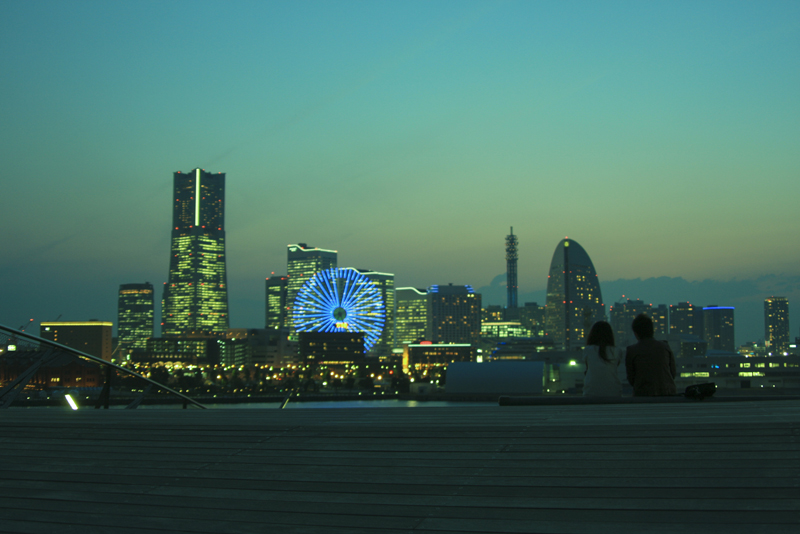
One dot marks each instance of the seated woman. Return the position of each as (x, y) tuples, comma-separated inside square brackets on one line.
[(602, 359)]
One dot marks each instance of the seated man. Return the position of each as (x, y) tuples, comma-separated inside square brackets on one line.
[(650, 364)]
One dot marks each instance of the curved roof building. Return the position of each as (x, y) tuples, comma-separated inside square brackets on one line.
[(574, 301)]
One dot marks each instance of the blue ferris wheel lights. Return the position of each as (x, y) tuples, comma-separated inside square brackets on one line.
[(340, 300)]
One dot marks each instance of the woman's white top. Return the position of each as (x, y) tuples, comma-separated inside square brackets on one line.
[(601, 378)]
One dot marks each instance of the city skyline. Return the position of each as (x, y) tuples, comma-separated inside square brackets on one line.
[(662, 137)]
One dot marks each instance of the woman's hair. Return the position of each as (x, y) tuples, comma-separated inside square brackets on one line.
[(601, 335)]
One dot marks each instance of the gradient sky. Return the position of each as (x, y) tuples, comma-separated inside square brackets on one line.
[(663, 136)]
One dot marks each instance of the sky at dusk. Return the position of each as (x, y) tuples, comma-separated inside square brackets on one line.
[(664, 137)]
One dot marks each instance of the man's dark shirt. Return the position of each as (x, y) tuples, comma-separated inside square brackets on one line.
[(650, 365)]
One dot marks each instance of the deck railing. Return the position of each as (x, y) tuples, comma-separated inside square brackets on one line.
[(25, 357)]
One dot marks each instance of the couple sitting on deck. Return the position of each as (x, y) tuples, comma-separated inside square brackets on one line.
[(650, 364)]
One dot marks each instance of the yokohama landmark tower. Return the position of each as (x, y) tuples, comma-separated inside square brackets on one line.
[(196, 296)]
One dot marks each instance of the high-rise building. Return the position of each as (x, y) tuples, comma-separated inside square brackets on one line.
[(411, 315), (511, 274), (196, 295), (385, 284), (277, 302), (660, 316), (686, 319), (574, 302), (532, 316), (776, 324), (454, 314), (622, 315), (135, 315), (302, 263), (92, 337), (718, 328)]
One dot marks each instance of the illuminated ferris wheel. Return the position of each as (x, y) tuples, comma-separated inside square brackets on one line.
[(340, 300)]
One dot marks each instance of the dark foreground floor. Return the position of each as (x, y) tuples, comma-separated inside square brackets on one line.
[(694, 467)]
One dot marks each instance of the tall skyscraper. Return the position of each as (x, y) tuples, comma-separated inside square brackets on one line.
[(776, 324), (303, 262), (511, 274), (718, 328), (454, 314), (411, 315), (196, 295), (621, 317), (135, 315), (574, 302), (686, 319), (385, 284), (277, 303)]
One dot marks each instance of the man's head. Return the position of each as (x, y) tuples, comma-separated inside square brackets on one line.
[(642, 326)]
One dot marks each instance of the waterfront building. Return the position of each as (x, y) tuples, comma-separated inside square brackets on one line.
[(277, 294), (92, 337), (135, 315), (187, 350), (574, 302), (776, 324), (740, 372), (332, 348), (504, 329), (196, 295), (686, 319), (493, 313), (454, 314), (718, 328), (427, 356), (302, 263), (385, 284), (532, 317), (686, 345), (411, 315)]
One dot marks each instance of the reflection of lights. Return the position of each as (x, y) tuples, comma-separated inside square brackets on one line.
[(71, 402)]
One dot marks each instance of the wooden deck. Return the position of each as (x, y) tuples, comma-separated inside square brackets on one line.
[(694, 467)]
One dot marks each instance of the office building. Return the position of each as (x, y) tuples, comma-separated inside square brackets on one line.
[(277, 302), (718, 328), (196, 295), (331, 348), (385, 284), (92, 337), (532, 316), (411, 315), (776, 324), (660, 316), (428, 356), (503, 329), (686, 319), (622, 315), (454, 314), (135, 315), (493, 313), (574, 302), (303, 262)]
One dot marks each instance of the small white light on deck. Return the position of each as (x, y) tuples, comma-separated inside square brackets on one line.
[(573, 362), (71, 402)]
